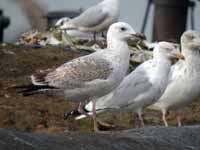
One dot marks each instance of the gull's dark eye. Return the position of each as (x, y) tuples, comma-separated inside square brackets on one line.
[(191, 37), (62, 22), (123, 29)]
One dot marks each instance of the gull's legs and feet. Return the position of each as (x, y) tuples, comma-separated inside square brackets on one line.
[(94, 37), (179, 116), (94, 116), (141, 119), (99, 122), (80, 109), (103, 35), (164, 113), (136, 120)]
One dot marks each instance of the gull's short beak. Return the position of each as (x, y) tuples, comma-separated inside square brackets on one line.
[(198, 46), (179, 56), (195, 44), (139, 36)]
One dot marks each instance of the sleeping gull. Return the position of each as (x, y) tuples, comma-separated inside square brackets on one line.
[(96, 18), (143, 86), (91, 76), (183, 85)]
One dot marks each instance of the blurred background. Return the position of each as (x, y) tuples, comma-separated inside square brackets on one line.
[(164, 18)]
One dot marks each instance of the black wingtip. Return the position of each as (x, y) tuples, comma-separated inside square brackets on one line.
[(21, 86), (31, 89), (73, 113)]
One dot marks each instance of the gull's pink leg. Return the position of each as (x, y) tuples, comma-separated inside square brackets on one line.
[(80, 109), (96, 129), (141, 119), (164, 112), (136, 120), (179, 116)]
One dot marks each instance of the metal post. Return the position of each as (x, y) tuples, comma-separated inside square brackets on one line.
[(4, 22), (170, 19)]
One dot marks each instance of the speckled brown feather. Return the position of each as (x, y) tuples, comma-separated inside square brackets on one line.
[(75, 73)]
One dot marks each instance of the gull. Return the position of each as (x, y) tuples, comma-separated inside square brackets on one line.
[(91, 76), (183, 87), (96, 18), (143, 86), (74, 32)]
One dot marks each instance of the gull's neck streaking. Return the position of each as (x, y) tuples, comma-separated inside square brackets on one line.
[(192, 59), (162, 62), (113, 43), (119, 47), (162, 68), (120, 50)]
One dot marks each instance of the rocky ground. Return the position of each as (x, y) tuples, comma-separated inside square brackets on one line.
[(150, 138), (41, 113)]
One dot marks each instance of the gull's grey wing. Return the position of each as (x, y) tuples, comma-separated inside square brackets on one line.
[(91, 17), (130, 88), (76, 73)]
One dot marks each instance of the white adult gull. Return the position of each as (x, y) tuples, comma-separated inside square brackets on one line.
[(91, 76), (184, 86), (96, 18), (143, 86)]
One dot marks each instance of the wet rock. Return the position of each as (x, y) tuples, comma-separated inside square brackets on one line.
[(151, 138)]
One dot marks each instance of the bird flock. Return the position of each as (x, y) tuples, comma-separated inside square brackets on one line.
[(100, 82)]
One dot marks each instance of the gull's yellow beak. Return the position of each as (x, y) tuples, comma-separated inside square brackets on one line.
[(198, 46), (179, 56)]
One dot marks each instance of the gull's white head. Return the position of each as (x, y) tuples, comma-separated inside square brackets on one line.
[(166, 50), (120, 31), (111, 1), (190, 40)]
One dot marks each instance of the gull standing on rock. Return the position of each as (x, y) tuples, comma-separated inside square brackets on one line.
[(91, 76), (184, 85), (96, 18), (143, 86)]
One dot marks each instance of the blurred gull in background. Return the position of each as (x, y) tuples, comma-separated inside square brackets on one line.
[(74, 33), (95, 19)]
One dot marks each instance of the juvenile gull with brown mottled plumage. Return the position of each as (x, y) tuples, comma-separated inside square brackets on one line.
[(91, 76)]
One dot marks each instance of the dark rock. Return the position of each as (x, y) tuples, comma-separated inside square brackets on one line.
[(151, 138)]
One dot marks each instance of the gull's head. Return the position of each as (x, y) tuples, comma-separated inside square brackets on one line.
[(110, 0), (167, 50), (190, 40), (120, 31), (61, 22)]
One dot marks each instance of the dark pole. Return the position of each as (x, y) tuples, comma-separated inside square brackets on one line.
[(170, 19), (4, 23), (146, 16)]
